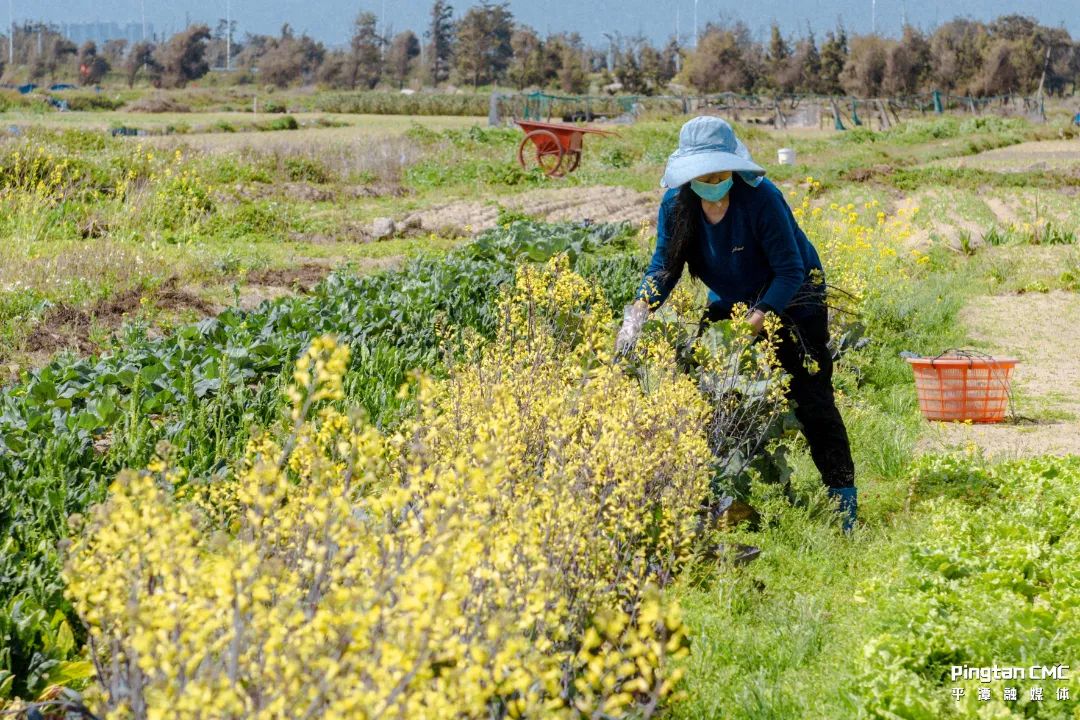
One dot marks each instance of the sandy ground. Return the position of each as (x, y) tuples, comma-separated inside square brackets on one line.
[(1043, 332), (948, 229), (1024, 157), (598, 203)]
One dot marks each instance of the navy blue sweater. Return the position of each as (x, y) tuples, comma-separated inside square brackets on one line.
[(756, 254)]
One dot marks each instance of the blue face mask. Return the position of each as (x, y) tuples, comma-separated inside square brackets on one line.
[(713, 192)]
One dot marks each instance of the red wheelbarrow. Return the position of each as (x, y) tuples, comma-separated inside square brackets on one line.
[(558, 146)]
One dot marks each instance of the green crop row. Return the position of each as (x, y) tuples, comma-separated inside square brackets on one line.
[(68, 427)]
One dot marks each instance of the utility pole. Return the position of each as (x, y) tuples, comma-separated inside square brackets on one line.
[(228, 33), (11, 33), (142, 6), (695, 24), (873, 17)]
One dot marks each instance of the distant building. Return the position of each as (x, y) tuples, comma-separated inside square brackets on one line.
[(101, 32)]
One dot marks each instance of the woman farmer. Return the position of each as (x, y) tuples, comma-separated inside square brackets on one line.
[(735, 232)]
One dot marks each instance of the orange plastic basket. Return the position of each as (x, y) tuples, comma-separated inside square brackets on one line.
[(959, 387)]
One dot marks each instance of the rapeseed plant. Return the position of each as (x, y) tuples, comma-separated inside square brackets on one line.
[(498, 556)]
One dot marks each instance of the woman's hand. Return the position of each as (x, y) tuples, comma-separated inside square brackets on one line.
[(756, 318), (633, 319)]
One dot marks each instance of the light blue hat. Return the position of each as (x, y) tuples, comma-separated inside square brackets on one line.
[(707, 144)]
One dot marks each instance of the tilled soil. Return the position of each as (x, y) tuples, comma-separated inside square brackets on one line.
[(69, 327), (598, 203)]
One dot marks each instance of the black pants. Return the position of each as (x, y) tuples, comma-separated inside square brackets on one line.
[(807, 336)]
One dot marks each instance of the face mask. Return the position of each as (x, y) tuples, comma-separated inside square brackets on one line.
[(713, 192)]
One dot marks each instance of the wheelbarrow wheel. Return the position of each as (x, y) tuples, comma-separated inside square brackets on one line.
[(572, 159), (549, 152)]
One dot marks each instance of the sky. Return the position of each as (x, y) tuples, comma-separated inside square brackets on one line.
[(330, 20)]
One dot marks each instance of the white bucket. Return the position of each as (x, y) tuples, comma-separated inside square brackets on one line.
[(785, 156)]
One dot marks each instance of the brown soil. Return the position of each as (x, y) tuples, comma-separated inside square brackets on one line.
[(156, 104), (949, 229), (1005, 214), (599, 203), (1043, 332), (67, 327), (864, 174), (302, 278), (308, 192)]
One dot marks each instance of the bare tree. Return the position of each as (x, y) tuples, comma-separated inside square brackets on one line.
[(141, 56), (864, 70), (907, 63), (92, 67), (183, 57), (999, 75), (114, 51), (288, 58)]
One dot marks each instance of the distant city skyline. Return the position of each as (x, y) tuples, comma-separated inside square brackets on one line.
[(330, 20)]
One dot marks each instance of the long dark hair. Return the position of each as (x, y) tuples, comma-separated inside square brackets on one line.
[(683, 232)]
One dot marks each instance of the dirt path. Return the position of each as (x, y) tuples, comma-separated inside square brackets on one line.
[(1028, 156), (599, 203), (1043, 332)]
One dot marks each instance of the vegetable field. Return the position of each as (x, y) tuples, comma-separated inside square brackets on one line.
[(258, 461)]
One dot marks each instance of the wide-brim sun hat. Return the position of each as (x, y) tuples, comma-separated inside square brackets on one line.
[(707, 144)]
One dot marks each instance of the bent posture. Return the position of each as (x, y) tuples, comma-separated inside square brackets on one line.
[(731, 227)]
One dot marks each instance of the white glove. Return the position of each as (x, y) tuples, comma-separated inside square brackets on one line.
[(634, 317)]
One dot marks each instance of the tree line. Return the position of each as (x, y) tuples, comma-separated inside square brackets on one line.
[(1012, 54)]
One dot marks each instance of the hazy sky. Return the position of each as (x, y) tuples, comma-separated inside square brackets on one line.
[(329, 20)]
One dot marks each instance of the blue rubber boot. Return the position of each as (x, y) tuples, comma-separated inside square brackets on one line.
[(847, 505)]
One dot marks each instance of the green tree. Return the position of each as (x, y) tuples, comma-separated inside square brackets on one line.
[(401, 56), (654, 68), (907, 63), (999, 75), (724, 60), (564, 62), (366, 46), (527, 58), (482, 51), (628, 69), (808, 61), (778, 62), (834, 53), (440, 37), (338, 69), (957, 49)]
